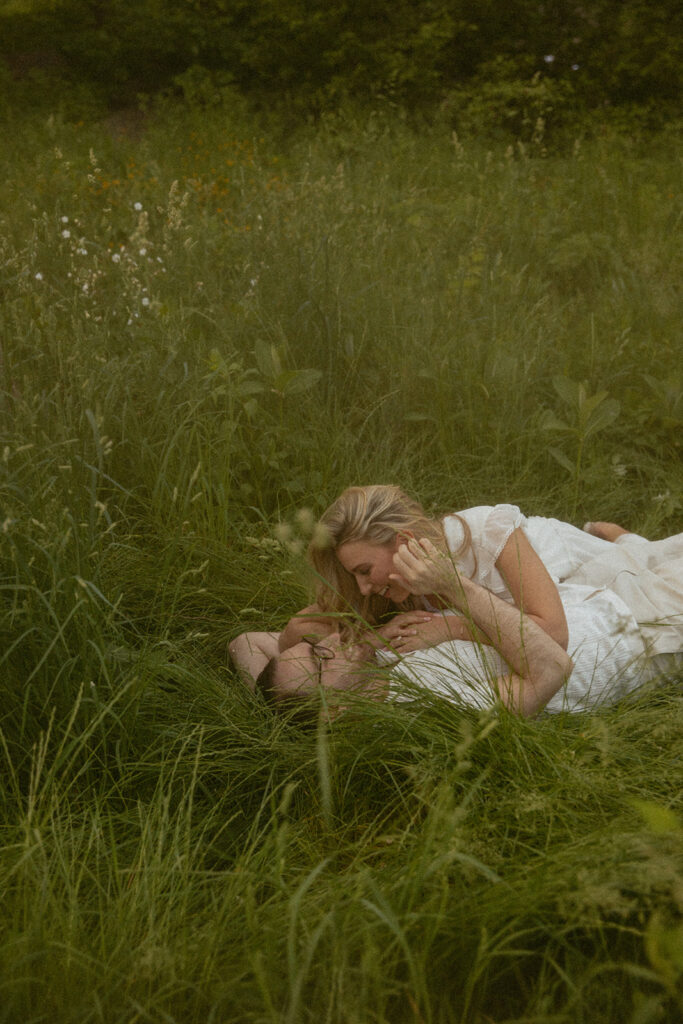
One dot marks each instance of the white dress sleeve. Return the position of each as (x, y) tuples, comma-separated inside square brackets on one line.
[(490, 527)]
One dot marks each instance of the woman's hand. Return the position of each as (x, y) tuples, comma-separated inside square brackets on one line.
[(423, 569), (406, 631), (435, 629)]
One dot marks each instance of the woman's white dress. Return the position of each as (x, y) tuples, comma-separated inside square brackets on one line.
[(611, 642)]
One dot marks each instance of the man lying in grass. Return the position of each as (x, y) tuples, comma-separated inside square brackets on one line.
[(430, 645), (523, 668)]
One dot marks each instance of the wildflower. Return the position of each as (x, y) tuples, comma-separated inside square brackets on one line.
[(305, 519), (143, 251), (115, 258), (618, 467), (65, 220), (549, 58), (145, 301), (81, 251), (137, 206), (283, 532), (66, 233), (575, 67), (39, 276), (321, 537)]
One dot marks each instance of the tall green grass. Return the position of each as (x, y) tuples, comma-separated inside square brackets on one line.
[(205, 330)]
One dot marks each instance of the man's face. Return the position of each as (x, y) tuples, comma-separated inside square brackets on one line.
[(329, 663)]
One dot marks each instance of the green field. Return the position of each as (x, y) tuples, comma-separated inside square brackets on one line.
[(209, 328)]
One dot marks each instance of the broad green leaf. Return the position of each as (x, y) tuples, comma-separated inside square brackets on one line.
[(589, 402), (267, 359), (567, 389), (302, 380), (282, 379), (549, 421), (250, 387), (562, 459), (602, 417)]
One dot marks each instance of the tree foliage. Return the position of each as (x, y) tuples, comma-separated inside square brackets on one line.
[(414, 50)]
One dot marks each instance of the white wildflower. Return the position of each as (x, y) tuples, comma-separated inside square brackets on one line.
[(66, 233), (39, 276), (283, 532), (115, 257), (137, 206), (305, 519)]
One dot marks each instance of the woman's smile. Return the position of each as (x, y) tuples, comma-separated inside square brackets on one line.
[(371, 566)]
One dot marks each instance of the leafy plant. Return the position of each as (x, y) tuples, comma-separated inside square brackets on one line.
[(586, 416)]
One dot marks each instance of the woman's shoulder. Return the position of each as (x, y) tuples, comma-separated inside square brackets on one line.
[(481, 518)]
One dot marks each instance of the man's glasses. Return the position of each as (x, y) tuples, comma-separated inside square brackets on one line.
[(321, 654)]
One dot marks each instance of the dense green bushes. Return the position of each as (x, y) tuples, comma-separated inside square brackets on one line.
[(611, 51)]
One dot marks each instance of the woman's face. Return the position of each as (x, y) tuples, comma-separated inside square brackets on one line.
[(370, 566)]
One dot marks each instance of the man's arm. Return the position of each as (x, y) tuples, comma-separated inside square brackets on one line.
[(251, 652), (310, 621)]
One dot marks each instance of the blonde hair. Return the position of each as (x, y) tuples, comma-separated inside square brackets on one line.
[(376, 515)]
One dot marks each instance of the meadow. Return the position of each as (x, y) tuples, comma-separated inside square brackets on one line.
[(210, 326)]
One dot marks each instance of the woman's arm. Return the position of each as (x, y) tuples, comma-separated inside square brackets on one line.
[(532, 587), (539, 665)]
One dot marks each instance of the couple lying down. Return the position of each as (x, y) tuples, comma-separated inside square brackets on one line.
[(482, 606)]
